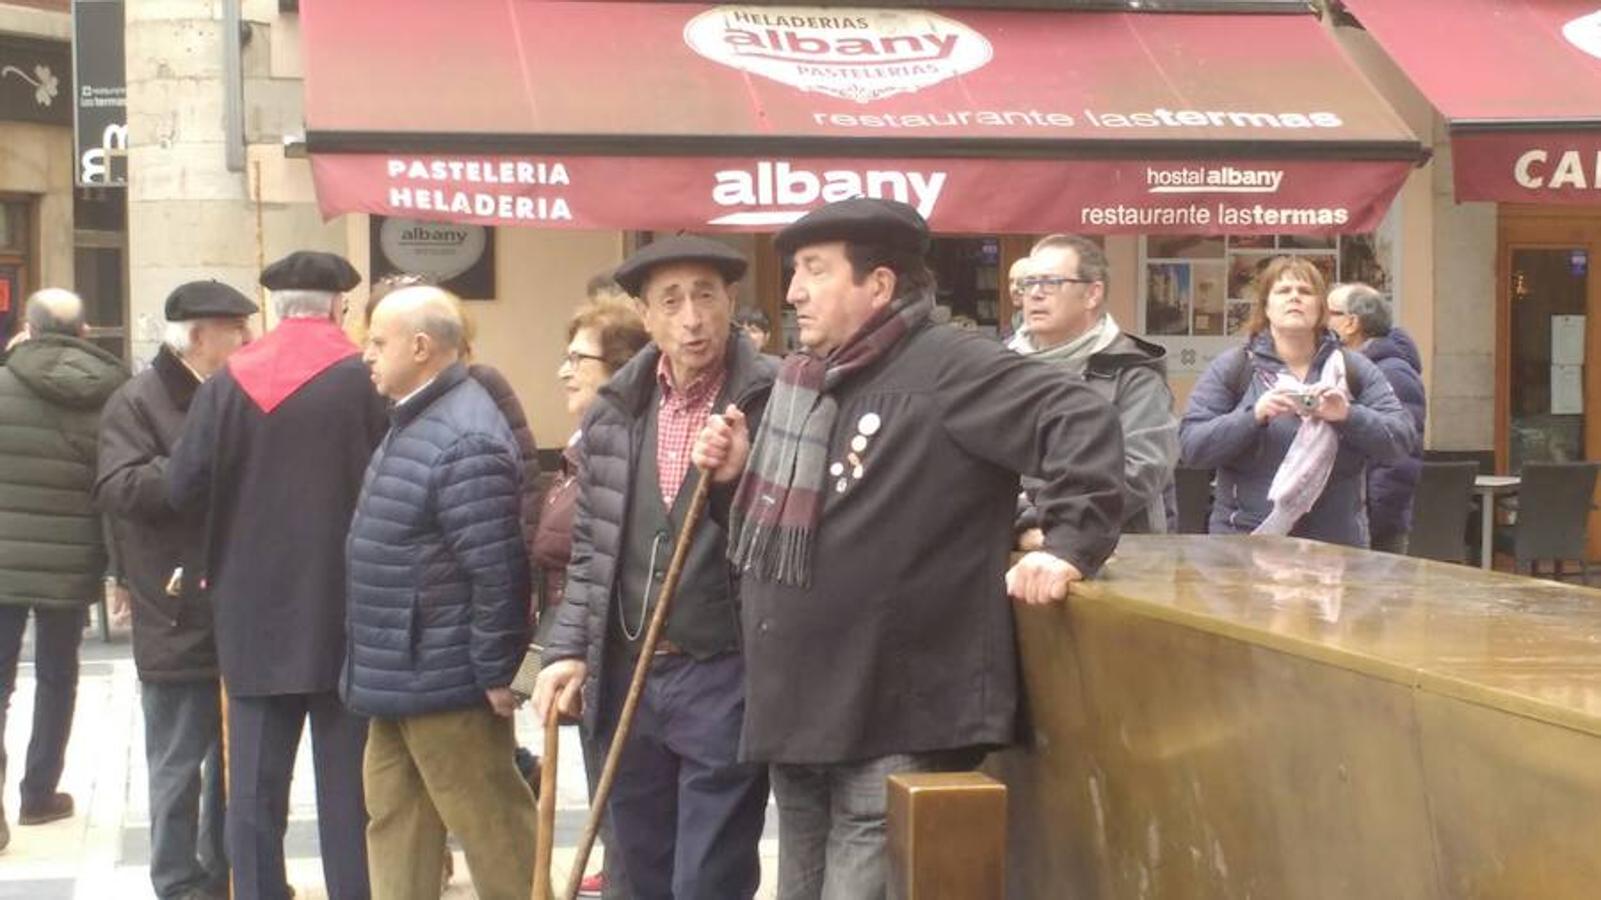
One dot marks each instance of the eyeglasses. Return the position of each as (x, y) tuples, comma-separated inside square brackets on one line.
[(573, 358), (1050, 284)]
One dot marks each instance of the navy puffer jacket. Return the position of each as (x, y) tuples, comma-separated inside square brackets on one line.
[(1391, 485), (438, 568)]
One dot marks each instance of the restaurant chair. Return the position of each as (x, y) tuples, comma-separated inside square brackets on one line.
[(1484, 458), (1554, 506), (1440, 508), (1194, 489)]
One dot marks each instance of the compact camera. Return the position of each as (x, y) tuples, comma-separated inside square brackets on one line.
[(1307, 398)]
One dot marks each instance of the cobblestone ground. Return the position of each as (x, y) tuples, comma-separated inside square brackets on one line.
[(103, 851)]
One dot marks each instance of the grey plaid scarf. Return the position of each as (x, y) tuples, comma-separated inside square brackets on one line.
[(776, 509)]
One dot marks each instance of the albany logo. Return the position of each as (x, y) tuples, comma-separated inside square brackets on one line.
[(855, 54), (1585, 33), (778, 193)]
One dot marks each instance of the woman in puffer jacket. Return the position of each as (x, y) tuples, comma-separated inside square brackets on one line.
[(1290, 421)]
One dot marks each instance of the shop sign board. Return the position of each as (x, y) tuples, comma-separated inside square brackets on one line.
[(457, 256), (35, 81), (987, 196), (1528, 166), (101, 105)]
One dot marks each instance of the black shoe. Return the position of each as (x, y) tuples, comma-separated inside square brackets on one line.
[(52, 808)]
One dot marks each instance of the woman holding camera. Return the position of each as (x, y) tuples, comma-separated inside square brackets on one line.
[(1290, 420)]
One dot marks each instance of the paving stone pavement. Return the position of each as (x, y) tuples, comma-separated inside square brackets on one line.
[(102, 852)]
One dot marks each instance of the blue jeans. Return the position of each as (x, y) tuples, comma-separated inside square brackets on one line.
[(831, 823), (183, 751)]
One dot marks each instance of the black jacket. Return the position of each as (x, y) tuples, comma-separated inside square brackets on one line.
[(278, 490), (172, 636), (437, 563), (903, 642), (52, 546), (606, 459)]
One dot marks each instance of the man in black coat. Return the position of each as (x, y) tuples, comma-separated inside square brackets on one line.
[(274, 451), (872, 524), (439, 592), (687, 814), (158, 557)]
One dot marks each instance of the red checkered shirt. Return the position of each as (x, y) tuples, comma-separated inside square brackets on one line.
[(679, 419)]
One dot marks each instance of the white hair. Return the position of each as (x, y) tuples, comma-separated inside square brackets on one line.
[(298, 304), (54, 311), (179, 336)]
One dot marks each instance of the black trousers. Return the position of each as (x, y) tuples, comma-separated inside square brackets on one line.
[(263, 734), (686, 813), (57, 635)]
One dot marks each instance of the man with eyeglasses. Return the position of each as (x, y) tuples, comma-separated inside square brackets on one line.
[(1362, 319), (1065, 323), (686, 813)]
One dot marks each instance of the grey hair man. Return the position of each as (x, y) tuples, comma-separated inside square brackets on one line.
[(1066, 323), (1364, 321), (157, 559), (273, 452), (52, 553)]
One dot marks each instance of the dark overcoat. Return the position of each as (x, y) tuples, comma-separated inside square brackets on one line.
[(172, 636), (903, 641), (278, 488)]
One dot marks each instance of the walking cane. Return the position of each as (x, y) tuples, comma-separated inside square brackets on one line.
[(545, 841), (586, 842)]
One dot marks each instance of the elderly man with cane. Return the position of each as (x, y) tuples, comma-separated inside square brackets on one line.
[(872, 526), (687, 814)]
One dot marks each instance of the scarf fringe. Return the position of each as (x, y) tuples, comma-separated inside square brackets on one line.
[(790, 565)]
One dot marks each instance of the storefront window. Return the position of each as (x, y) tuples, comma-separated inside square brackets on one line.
[(1548, 288), (968, 273), (1195, 289), (15, 240)]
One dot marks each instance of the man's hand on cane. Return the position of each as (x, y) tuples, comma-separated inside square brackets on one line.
[(723, 446), (562, 683)]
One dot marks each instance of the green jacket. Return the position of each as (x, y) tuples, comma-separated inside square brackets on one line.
[(52, 550)]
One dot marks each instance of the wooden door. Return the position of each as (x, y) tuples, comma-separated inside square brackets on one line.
[(1548, 339)]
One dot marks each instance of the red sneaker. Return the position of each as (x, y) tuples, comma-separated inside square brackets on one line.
[(593, 886)]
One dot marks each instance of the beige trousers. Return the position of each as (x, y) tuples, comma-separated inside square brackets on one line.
[(447, 772)]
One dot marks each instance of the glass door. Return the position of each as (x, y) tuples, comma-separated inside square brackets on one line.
[(1548, 391)]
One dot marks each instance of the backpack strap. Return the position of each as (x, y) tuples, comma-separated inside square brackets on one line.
[(1239, 373)]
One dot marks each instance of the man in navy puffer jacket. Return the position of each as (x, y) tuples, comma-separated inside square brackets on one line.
[(1363, 319), (438, 614)]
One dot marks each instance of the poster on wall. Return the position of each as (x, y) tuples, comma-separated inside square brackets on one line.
[(459, 258), (1195, 290)]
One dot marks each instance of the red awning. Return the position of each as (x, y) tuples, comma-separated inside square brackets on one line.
[(1519, 82), (670, 115)]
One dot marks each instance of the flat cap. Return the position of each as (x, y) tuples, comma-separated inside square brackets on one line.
[(311, 270), (680, 248), (209, 299), (859, 220)]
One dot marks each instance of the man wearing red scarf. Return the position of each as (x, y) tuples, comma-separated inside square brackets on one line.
[(273, 452)]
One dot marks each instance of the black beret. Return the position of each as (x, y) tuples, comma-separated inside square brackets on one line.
[(680, 248), (859, 220), (207, 300), (311, 270)]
